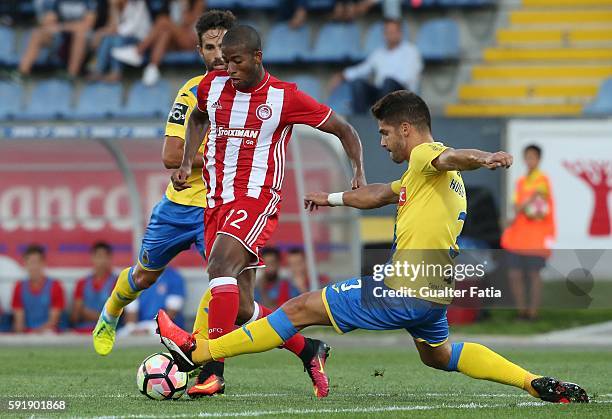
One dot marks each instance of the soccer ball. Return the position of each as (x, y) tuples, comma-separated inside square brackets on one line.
[(158, 378), (537, 208)]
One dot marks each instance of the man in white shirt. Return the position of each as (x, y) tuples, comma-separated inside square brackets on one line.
[(395, 66)]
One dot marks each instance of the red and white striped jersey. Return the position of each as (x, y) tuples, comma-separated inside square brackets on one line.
[(249, 132)]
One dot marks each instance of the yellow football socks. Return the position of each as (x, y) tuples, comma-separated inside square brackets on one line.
[(125, 292), (201, 321), (478, 361)]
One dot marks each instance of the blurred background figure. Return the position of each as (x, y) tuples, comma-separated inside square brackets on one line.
[(92, 291), (394, 66), (296, 262), (273, 284), (38, 301), (167, 293), (173, 30), (65, 26), (530, 235), (293, 12), (128, 23)]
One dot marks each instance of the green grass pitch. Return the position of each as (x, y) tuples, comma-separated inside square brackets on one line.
[(274, 385)]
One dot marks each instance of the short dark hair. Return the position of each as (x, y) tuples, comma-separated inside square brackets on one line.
[(101, 245), (34, 249), (296, 251), (271, 251), (532, 147), (403, 106), (214, 19), (243, 35)]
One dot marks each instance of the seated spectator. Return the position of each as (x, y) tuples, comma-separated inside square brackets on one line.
[(66, 23), (395, 66), (345, 10), (273, 287), (37, 301), (293, 12), (167, 293), (296, 262), (128, 23), (92, 291), (173, 30)]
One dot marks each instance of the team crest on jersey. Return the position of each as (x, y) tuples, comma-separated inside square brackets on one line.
[(263, 112), (402, 196)]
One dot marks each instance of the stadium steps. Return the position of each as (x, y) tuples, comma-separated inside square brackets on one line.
[(554, 37), (487, 92), (577, 16), (543, 72), (566, 3), (512, 110), (548, 54)]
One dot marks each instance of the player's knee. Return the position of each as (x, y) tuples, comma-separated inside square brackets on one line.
[(144, 279), (221, 265), (437, 357), (295, 308)]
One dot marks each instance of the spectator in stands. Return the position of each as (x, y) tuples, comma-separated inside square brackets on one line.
[(395, 66), (391, 9), (293, 12), (345, 10), (92, 291), (296, 262), (167, 293), (173, 30), (65, 23), (528, 238), (128, 23), (273, 286), (37, 301)]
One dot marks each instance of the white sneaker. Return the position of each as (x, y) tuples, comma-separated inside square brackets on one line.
[(151, 75), (127, 55)]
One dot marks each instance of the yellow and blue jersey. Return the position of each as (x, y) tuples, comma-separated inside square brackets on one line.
[(430, 214), (185, 102)]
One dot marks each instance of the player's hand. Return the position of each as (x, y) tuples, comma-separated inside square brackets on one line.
[(179, 178), (499, 159), (359, 180), (314, 200)]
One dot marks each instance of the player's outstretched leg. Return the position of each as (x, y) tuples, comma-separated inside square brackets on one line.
[(261, 335), (478, 361), (130, 283)]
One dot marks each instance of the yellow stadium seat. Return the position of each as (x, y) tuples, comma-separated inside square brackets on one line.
[(499, 110)]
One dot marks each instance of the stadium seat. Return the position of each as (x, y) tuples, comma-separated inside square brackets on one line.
[(375, 37), (181, 58), (49, 100), (8, 56), (602, 105), (285, 45), (340, 99), (10, 100), (222, 4), (146, 101), (337, 42), (439, 40), (259, 4), (98, 100), (310, 85), (320, 4)]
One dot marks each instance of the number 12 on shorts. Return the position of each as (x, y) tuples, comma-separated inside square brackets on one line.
[(241, 215)]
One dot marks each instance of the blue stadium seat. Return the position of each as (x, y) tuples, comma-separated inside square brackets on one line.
[(10, 100), (181, 58), (340, 99), (602, 105), (320, 4), (286, 45), (337, 42), (438, 40), (50, 99), (375, 36), (8, 56), (98, 101), (259, 4), (146, 101), (310, 85), (222, 4)]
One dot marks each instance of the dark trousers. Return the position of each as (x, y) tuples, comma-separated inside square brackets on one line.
[(365, 94)]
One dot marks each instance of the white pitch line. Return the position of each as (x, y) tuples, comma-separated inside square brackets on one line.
[(255, 413)]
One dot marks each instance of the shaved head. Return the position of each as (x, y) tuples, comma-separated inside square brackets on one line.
[(244, 36)]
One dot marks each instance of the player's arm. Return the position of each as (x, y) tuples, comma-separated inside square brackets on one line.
[(196, 128), (371, 196), (471, 159), (172, 153), (18, 320), (352, 145)]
